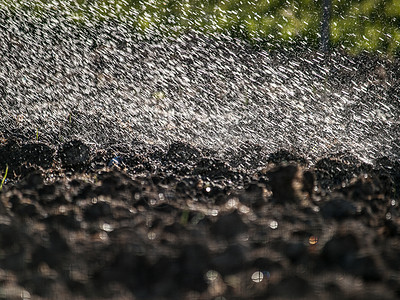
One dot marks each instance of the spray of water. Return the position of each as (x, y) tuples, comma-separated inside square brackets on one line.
[(103, 84)]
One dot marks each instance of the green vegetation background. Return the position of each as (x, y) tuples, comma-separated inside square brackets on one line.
[(356, 25)]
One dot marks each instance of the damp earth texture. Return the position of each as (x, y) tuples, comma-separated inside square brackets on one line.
[(193, 166)]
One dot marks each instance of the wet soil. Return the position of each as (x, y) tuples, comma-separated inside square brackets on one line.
[(133, 221)]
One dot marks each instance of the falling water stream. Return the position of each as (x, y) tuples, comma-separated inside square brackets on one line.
[(104, 84)]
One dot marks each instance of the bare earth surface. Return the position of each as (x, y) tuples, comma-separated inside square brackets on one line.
[(181, 224)]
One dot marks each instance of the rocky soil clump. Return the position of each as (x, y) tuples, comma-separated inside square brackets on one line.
[(138, 222)]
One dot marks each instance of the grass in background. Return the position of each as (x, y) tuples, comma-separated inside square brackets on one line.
[(356, 26), (4, 178)]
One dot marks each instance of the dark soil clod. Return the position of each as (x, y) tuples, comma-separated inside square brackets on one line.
[(74, 154)]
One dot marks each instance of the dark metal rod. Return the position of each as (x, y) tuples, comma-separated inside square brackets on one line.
[(325, 32)]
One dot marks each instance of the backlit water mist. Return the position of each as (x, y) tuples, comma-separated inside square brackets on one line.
[(104, 84)]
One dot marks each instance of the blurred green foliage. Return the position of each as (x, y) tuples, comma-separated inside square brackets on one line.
[(356, 25)]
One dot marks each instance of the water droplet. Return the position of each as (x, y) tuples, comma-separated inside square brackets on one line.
[(151, 235), (62, 209), (214, 212), (257, 276), (103, 236), (313, 240), (231, 203), (273, 224), (107, 227), (25, 295), (212, 275)]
